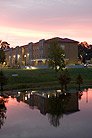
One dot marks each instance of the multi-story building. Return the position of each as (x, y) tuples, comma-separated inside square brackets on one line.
[(36, 54)]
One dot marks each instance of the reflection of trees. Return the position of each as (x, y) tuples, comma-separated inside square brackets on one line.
[(54, 120), (80, 93), (57, 108), (2, 112)]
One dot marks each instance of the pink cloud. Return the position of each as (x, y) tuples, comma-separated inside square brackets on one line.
[(45, 19)]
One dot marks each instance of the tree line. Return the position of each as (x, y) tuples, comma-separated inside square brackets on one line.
[(84, 51), (3, 45), (3, 79)]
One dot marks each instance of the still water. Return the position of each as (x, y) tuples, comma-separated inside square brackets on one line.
[(47, 114)]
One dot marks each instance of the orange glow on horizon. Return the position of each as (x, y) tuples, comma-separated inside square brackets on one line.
[(19, 36)]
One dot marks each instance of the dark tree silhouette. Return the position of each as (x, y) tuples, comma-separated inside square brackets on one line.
[(80, 93), (3, 80), (56, 109), (5, 45), (56, 55), (64, 79), (68, 78), (2, 112), (79, 80), (2, 56), (84, 51)]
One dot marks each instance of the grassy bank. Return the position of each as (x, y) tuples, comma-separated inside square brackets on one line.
[(43, 78)]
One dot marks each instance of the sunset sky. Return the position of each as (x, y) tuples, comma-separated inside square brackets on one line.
[(24, 21)]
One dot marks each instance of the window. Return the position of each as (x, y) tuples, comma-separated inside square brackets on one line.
[(48, 46), (62, 46), (42, 51)]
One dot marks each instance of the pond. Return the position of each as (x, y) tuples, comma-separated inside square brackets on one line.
[(46, 114)]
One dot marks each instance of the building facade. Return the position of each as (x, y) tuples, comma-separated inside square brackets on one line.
[(36, 54)]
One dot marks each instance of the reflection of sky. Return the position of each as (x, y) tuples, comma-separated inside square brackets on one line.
[(23, 122), (22, 21)]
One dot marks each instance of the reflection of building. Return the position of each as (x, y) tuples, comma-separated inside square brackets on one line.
[(41, 100), (54, 103), (36, 54), (70, 102)]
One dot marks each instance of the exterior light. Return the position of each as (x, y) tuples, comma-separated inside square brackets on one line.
[(27, 67), (44, 61), (25, 98), (18, 56), (28, 54), (43, 94), (31, 93), (58, 90), (28, 95), (25, 56), (48, 96), (14, 56), (33, 67), (19, 92)]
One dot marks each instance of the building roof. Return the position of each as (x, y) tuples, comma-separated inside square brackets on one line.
[(62, 40), (24, 45)]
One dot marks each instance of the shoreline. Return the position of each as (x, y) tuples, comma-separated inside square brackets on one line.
[(43, 86), (44, 79)]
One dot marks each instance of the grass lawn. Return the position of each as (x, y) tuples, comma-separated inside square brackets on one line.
[(43, 78)]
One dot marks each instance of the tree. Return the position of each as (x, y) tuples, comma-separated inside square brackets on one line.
[(2, 112), (55, 110), (68, 78), (4, 45), (79, 80), (3, 80), (56, 55), (2, 56), (64, 79), (57, 107), (84, 51)]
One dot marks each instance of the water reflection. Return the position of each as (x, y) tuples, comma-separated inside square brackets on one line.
[(53, 103), (3, 110), (48, 114), (64, 104)]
